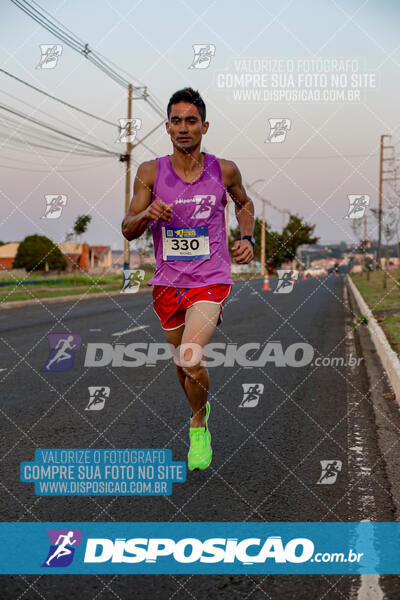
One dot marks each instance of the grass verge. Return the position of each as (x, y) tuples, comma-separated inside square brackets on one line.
[(383, 302)]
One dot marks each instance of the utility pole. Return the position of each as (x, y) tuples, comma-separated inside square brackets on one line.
[(365, 232), (262, 257), (128, 174), (382, 159), (365, 245)]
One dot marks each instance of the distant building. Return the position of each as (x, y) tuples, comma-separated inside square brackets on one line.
[(85, 257), (136, 261), (79, 256), (7, 255), (100, 257)]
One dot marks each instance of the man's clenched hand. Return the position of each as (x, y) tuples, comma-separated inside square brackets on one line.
[(242, 252), (159, 211)]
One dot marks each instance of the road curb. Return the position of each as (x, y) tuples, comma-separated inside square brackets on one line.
[(35, 301), (389, 358)]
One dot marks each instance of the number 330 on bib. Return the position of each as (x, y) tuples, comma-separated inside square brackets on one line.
[(185, 243)]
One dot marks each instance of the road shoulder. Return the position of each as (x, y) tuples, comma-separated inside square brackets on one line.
[(386, 408)]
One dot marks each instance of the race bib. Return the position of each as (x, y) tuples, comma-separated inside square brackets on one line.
[(185, 243)]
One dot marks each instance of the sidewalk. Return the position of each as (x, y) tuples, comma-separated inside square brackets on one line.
[(68, 298)]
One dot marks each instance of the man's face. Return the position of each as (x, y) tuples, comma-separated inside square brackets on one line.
[(185, 126)]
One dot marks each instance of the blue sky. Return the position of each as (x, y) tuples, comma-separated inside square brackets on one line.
[(330, 151)]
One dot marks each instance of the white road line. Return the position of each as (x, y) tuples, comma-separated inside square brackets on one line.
[(370, 588), (359, 467), (94, 329), (131, 330)]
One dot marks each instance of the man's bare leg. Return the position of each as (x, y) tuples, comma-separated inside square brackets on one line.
[(174, 337), (200, 322)]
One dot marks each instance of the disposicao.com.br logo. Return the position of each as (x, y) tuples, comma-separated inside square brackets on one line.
[(215, 354), (247, 551), (201, 547)]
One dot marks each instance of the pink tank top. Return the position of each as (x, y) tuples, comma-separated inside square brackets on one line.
[(191, 249)]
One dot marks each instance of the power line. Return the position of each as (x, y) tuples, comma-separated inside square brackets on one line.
[(35, 138), (65, 37), (31, 130), (85, 112), (57, 169), (72, 41), (82, 41), (269, 202), (51, 128), (305, 157), (64, 34), (63, 150), (158, 106), (81, 110), (32, 106)]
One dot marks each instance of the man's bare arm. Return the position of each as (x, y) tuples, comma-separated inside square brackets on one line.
[(142, 209), (244, 210)]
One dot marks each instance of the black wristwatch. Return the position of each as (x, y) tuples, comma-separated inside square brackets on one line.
[(250, 238)]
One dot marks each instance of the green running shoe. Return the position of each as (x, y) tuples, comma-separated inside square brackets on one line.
[(200, 452), (208, 408)]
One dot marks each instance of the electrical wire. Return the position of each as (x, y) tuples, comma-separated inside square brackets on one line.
[(72, 41), (60, 31), (32, 133), (157, 104), (73, 107), (81, 110), (57, 169), (51, 128), (304, 157)]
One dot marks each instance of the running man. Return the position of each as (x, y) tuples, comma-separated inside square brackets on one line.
[(54, 205), (62, 549), (285, 281), (63, 345), (182, 199), (99, 397), (331, 470)]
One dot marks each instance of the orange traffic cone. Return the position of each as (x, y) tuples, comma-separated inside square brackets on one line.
[(304, 275), (266, 287)]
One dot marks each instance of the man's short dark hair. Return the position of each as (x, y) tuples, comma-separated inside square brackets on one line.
[(188, 95)]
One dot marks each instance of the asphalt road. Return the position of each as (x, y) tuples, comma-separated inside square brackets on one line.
[(266, 461)]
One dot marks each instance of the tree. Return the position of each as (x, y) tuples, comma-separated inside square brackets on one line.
[(81, 224), (280, 247), (79, 227), (35, 251)]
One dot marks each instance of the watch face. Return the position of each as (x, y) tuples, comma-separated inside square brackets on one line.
[(250, 238)]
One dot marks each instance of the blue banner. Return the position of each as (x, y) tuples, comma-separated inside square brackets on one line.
[(98, 472), (200, 548)]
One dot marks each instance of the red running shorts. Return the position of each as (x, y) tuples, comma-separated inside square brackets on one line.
[(170, 303)]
